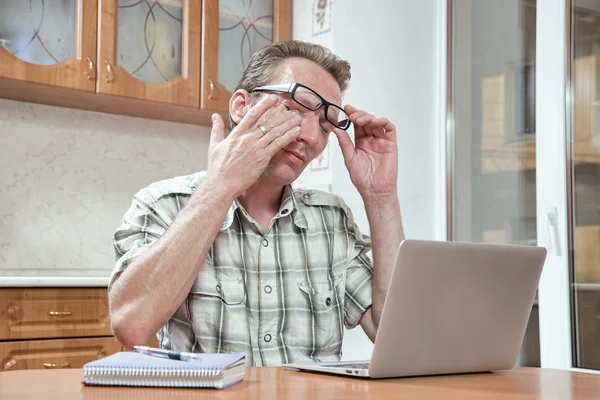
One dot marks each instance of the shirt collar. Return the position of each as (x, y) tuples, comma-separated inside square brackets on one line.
[(289, 205), (229, 216), (290, 200)]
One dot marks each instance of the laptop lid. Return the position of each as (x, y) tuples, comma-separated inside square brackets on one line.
[(456, 307)]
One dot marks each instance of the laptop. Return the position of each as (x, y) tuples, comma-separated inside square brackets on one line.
[(451, 308)]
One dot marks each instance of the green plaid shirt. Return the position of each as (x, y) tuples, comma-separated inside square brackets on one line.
[(282, 296)]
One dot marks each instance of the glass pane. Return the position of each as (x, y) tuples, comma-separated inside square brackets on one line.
[(39, 32), (585, 145), (149, 39), (245, 26), (493, 110)]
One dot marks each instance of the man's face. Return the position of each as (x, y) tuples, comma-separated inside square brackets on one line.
[(287, 165)]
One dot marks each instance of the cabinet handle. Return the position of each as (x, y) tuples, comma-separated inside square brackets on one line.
[(110, 77), (212, 90), (9, 365), (51, 365), (13, 313), (59, 313), (90, 75)]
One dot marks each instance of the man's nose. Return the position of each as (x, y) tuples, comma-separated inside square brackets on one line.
[(311, 129)]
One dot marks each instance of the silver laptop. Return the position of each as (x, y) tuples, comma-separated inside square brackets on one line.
[(451, 308)]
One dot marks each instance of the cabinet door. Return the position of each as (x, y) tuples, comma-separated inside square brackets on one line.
[(49, 42), (56, 353), (150, 50), (232, 31)]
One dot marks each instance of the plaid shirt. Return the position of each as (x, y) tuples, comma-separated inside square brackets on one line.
[(282, 296)]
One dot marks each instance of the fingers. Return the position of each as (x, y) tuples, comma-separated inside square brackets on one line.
[(275, 115), (365, 119), (251, 118), (382, 127), (360, 119), (279, 125), (366, 124), (345, 143), (281, 141), (217, 132), (283, 126)]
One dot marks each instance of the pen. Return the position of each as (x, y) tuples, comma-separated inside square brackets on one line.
[(174, 355)]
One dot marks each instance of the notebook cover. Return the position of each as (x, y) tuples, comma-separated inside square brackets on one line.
[(135, 369)]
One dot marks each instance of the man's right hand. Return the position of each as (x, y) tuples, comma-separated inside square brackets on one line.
[(240, 158), (162, 275)]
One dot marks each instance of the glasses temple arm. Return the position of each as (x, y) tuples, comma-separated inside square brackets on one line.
[(287, 88)]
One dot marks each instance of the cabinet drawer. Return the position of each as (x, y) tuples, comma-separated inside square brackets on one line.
[(55, 353), (50, 313)]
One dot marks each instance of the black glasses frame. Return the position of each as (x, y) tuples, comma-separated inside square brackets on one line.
[(293, 87)]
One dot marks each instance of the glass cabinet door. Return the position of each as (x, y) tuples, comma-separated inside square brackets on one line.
[(49, 42), (234, 30), (150, 50)]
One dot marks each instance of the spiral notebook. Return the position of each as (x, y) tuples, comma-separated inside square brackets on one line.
[(135, 369)]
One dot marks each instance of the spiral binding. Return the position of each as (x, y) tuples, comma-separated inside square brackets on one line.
[(151, 376)]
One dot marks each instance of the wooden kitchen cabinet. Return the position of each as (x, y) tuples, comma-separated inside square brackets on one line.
[(53, 313), (54, 327), (175, 60), (231, 32), (150, 50), (50, 43), (55, 353)]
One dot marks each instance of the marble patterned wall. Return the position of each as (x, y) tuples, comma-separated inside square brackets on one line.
[(306, 27), (67, 177)]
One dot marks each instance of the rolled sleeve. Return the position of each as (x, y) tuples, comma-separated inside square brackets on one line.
[(359, 276), (141, 228)]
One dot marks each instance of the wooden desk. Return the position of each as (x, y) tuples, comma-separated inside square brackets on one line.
[(276, 383)]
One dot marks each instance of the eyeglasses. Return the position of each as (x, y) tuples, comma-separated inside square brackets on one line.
[(311, 100)]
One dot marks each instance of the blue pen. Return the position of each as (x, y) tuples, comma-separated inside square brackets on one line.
[(174, 355)]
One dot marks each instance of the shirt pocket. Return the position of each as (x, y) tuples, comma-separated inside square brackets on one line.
[(229, 289), (217, 304), (323, 302)]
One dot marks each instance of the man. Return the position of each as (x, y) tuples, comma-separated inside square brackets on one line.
[(233, 259)]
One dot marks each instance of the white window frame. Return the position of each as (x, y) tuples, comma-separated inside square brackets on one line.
[(552, 159)]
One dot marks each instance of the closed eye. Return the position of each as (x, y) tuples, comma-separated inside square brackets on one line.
[(326, 127)]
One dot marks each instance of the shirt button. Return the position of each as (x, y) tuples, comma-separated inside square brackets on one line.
[(306, 196), (267, 338), (218, 288), (265, 242), (268, 289), (328, 302), (284, 211)]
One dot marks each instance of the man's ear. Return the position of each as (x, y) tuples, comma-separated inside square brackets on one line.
[(239, 104)]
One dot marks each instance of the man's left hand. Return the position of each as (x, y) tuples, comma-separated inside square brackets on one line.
[(372, 160)]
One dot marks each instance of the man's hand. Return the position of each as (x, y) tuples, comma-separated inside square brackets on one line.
[(240, 158), (372, 160)]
